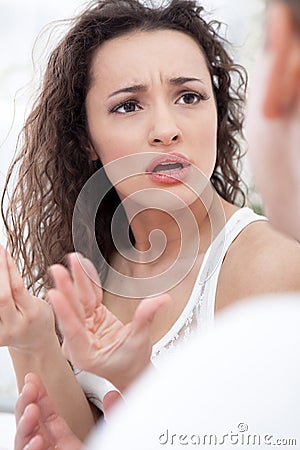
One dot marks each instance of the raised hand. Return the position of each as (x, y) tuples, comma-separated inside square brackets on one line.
[(27, 328), (25, 321), (38, 425), (94, 339)]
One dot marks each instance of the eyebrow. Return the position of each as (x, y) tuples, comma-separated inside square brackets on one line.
[(182, 80), (134, 88), (141, 87)]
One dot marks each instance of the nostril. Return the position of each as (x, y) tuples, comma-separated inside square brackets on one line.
[(166, 139)]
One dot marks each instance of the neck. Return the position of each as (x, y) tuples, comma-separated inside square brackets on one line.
[(161, 237)]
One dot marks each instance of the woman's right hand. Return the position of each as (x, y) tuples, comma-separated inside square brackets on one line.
[(26, 322)]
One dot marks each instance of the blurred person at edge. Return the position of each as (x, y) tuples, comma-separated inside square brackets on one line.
[(273, 117)]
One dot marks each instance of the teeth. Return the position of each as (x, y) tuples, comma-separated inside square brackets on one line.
[(168, 167)]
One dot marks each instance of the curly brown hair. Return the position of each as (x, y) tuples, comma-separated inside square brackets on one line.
[(53, 163)]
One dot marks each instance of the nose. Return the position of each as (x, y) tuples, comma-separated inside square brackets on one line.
[(164, 130)]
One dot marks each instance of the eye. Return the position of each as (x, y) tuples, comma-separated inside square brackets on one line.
[(126, 107), (191, 98)]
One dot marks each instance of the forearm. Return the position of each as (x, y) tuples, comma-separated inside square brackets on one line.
[(60, 382)]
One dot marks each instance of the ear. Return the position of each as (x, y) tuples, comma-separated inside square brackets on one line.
[(92, 153), (283, 44)]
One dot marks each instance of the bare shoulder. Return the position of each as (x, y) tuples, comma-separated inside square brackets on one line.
[(260, 243), (260, 260)]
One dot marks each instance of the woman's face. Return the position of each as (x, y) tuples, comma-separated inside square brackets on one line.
[(151, 96)]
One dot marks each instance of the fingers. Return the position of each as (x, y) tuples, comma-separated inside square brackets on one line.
[(70, 323), (146, 311), (109, 400), (36, 443), (88, 267), (28, 415), (43, 401), (94, 278), (26, 427), (39, 426), (7, 304), (68, 303), (20, 294), (83, 290), (65, 286), (28, 395), (86, 281)]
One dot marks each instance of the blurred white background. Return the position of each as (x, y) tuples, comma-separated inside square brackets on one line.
[(21, 22)]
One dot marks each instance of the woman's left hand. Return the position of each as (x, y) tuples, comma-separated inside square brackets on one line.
[(94, 339)]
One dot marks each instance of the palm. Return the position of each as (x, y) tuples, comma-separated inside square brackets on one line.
[(100, 335), (94, 339)]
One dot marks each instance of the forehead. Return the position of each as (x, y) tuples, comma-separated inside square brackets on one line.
[(137, 56)]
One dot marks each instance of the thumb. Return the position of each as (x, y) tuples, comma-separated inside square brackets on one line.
[(146, 311), (109, 400)]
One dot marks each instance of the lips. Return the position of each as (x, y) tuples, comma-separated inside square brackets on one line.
[(169, 168)]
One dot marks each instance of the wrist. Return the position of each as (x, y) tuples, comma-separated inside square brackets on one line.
[(40, 361), (123, 383), (37, 351)]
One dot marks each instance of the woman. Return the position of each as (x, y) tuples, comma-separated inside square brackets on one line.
[(148, 93)]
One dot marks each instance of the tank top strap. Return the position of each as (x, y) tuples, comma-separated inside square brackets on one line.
[(198, 314), (212, 263)]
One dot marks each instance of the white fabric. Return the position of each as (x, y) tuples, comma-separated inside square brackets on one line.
[(236, 387), (95, 387), (7, 431), (198, 314)]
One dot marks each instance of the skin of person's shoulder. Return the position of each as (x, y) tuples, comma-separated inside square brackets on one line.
[(261, 260)]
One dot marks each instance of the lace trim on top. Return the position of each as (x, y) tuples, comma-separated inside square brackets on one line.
[(198, 314)]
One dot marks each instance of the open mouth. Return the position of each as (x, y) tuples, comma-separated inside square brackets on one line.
[(169, 168)]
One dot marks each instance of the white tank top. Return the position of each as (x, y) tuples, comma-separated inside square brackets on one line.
[(198, 314)]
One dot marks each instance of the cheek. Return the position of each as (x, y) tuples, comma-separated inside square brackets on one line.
[(116, 150), (206, 136), (107, 147), (113, 143), (103, 137)]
